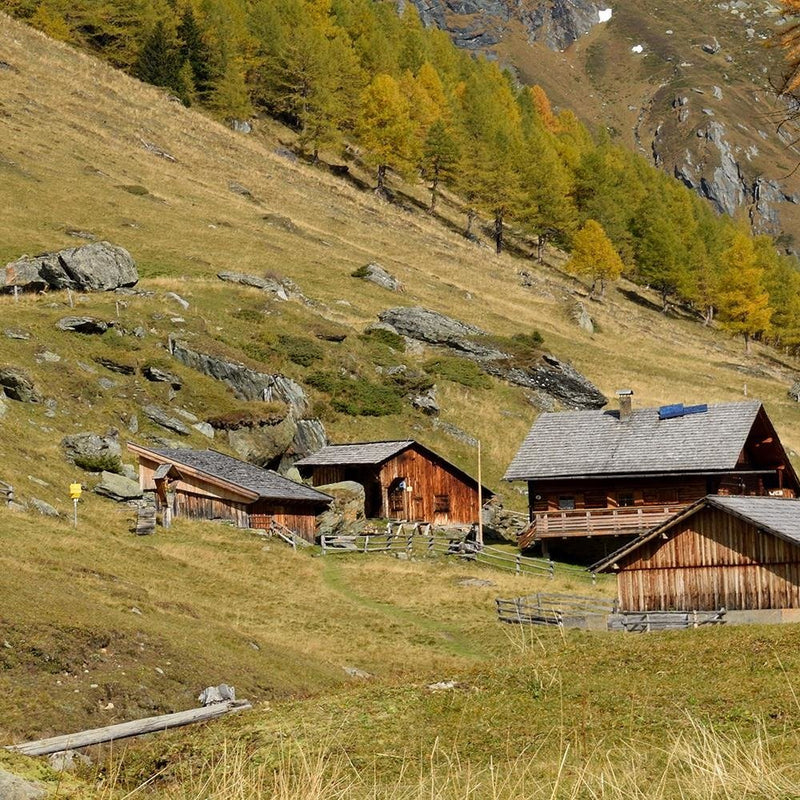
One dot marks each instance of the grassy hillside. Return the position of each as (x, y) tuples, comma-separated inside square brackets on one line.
[(98, 625)]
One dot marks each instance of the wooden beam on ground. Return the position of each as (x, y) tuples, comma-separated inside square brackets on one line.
[(124, 730)]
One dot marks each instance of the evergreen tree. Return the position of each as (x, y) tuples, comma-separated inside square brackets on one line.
[(594, 256), (743, 302), (158, 62), (193, 50)]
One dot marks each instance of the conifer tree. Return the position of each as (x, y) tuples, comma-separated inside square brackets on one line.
[(193, 50), (385, 129), (158, 59), (594, 256), (440, 158), (743, 302)]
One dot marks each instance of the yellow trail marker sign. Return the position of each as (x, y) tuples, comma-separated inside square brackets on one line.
[(75, 491)]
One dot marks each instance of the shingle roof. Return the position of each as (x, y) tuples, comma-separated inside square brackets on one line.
[(265, 482), (776, 515), (357, 453), (594, 443)]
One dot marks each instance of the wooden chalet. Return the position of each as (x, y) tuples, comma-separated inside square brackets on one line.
[(401, 480), (596, 476), (206, 484), (725, 552)]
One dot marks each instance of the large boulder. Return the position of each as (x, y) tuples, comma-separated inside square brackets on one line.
[(375, 273), (246, 383), (82, 325), (12, 787), (93, 452), (18, 385), (280, 289), (118, 487), (99, 266), (346, 512), (162, 418), (263, 444), (431, 327)]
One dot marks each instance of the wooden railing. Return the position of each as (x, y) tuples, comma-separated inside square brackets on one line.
[(551, 609), (595, 522)]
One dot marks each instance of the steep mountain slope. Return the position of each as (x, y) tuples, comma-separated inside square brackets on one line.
[(687, 84)]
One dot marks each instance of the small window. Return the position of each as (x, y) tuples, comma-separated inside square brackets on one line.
[(441, 503), (566, 503), (624, 500)]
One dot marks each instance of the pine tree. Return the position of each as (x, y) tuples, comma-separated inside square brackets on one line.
[(230, 96), (594, 256), (158, 59), (193, 49), (743, 302), (385, 129), (51, 22)]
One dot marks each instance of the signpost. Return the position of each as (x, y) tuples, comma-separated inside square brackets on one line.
[(75, 490)]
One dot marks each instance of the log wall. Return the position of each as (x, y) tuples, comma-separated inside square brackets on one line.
[(297, 517), (712, 560)]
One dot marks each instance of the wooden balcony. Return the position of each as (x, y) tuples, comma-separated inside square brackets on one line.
[(627, 520)]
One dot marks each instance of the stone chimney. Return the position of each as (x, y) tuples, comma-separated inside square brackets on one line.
[(625, 401)]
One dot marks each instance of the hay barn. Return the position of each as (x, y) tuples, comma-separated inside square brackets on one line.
[(401, 479), (206, 484)]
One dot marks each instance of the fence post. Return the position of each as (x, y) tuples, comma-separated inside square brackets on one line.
[(594, 579), (430, 543), (410, 542), (551, 566), (518, 563), (323, 543), (366, 543)]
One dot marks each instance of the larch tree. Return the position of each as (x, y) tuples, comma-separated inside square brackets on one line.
[(744, 307), (384, 128), (594, 256), (440, 158)]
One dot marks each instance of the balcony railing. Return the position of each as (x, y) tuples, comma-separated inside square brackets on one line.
[(595, 522)]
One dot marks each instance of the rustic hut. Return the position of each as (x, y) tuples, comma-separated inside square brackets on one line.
[(597, 479), (720, 552), (206, 484), (401, 480)]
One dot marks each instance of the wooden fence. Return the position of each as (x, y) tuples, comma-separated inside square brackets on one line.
[(422, 539), (646, 621), (551, 609)]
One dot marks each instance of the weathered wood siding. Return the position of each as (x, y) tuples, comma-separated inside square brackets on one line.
[(712, 560), (297, 517), (198, 506), (434, 486)]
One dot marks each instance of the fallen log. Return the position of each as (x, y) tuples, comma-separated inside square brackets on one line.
[(124, 730)]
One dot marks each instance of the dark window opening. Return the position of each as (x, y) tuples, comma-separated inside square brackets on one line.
[(624, 500), (566, 503), (441, 503)]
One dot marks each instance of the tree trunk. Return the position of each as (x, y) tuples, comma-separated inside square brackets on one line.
[(381, 187), (746, 343), (470, 220), (498, 232), (708, 317), (434, 191), (602, 289)]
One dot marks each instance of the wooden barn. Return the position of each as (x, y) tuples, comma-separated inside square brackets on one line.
[(206, 484), (401, 480), (597, 479), (721, 552)]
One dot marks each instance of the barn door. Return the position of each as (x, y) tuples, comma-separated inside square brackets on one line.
[(397, 499)]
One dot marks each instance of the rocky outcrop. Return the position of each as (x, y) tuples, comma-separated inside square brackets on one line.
[(246, 383), (117, 487), (426, 402), (480, 24), (431, 327), (555, 378), (346, 512), (93, 451), (279, 288), (13, 787), (375, 273), (88, 325), (162, 418), (18, 385), (158, 375), (263, 444), (99, 266)]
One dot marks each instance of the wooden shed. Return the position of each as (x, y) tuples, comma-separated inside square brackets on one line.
[(206, 484), (401, 480), (597, 479), (728, 552)]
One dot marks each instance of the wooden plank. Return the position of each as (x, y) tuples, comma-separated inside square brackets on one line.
[(124, 730)]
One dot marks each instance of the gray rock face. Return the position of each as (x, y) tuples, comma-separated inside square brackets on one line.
[(263, 444), (794, 391), (434, 328), (46, 510), (92, 446), (98, 266), (118, 487), (88, 325), (427, 403), (162, 418), (579, 314), (376, 274), (158, 375), (478, 24), (247, 384), (18, 385), (13, 787), (557, 379), (268, 285), (346, 512)]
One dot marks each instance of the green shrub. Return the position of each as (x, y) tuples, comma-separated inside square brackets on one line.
[(410, 381), (357, 397), (458, 370), (384, 337), (251, 415), (361, 272), (248, 315), (301, 350), (105, 462)]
